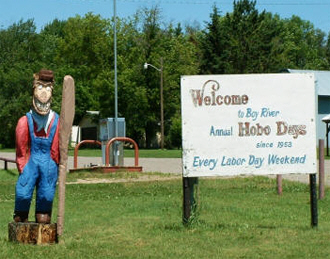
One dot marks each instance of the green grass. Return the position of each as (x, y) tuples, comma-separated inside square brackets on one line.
[(12, 150), (149, 153), (236, 218)]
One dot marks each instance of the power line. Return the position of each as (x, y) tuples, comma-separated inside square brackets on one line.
[(199, 2), (208, 2), (287, 4)]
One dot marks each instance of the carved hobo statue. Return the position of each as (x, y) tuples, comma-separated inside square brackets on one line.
[(37, 152)]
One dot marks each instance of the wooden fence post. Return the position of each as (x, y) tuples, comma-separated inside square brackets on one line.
[(321, 169)]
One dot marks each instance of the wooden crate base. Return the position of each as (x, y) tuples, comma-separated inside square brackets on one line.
[(32, 233)]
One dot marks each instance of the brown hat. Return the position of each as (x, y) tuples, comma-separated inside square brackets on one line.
[(45, 75)]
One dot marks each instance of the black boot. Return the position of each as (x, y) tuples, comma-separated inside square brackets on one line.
[(21, 216)]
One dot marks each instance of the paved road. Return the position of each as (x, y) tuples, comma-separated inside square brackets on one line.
[(163, 165)]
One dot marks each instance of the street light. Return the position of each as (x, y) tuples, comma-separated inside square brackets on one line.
[(161, 100)]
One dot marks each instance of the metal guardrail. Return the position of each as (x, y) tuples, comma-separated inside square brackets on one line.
[(122, 139), (107, 168), (75, 159)]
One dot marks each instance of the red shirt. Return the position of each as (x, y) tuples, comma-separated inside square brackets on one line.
[(23, 142)]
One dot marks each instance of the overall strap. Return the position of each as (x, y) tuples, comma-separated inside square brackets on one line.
[(54, 126), (30, 124)]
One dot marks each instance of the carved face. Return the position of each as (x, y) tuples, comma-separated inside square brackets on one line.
[(42, 96)]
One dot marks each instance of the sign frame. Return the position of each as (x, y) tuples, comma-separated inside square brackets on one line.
[(231, 121)]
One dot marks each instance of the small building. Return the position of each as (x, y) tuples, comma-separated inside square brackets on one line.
[(322, 85), (88, 128)]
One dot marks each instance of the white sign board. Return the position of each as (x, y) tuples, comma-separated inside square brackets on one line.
[(248, 124)]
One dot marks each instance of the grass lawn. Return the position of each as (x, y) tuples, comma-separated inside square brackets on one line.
[(152, 153), (237, 218)]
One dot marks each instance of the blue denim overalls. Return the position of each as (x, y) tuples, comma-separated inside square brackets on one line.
[(41, 172)]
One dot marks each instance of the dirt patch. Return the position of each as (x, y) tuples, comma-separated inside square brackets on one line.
[(143, 178)]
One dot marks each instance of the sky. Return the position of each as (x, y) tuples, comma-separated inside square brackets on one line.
[(190, 12)]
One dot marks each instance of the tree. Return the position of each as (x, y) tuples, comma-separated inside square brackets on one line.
[(51, 36), (147, 49), (141, 40), (327, 50), (239, 42), (84, 52), (303, 46), (19, 59), (245, 38), (180, 59), (213, 46), (244, 41)]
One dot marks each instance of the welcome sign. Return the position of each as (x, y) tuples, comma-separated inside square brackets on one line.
[(248, 124)]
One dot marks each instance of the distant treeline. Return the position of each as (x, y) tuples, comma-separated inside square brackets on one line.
[(244, 41)]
